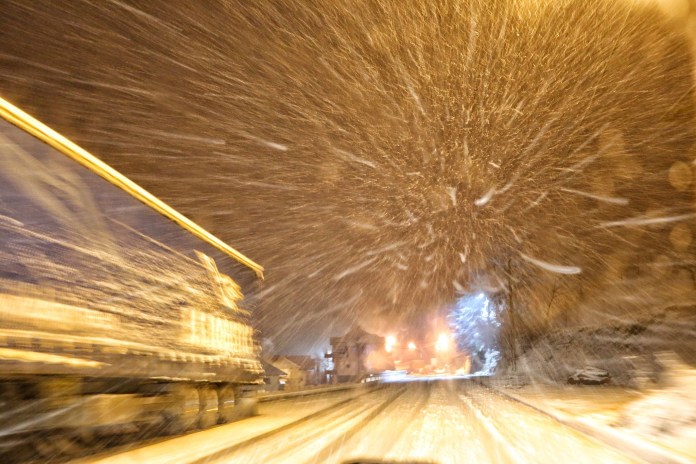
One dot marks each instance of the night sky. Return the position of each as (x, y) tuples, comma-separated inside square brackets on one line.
[(381, 159)]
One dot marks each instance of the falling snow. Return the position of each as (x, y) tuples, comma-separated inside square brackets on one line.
[(380, 159)]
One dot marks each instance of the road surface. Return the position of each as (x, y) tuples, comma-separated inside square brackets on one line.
[(415, 422)]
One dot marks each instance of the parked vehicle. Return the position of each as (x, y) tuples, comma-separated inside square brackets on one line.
[(116, 311)]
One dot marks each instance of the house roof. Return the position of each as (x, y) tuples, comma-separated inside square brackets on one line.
[(301, 361), (358, 334), (271, 370)]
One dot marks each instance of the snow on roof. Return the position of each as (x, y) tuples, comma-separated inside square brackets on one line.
[(301, 361), (271, 370)]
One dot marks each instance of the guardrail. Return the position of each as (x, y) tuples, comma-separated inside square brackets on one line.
[(280, 395)]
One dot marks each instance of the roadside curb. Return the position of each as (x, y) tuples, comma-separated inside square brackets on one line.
[(632, 446)]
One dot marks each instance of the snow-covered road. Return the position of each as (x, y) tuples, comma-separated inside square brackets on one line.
[(444, 421)]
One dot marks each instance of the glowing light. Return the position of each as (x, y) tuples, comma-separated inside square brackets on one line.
[(475, 323), (389, 343), (411, 346), (442, 343)]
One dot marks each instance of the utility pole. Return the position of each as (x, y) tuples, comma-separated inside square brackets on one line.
[(511, 311)]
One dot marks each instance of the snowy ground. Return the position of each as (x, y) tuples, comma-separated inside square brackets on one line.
[(417, 422), (663, 414)]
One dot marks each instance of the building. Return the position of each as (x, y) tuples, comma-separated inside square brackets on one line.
[(301, 371), (273, 378), (356, 354)]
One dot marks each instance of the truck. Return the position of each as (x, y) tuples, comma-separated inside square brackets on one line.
[(118, 314)]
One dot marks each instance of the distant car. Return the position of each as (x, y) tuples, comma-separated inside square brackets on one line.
[(379, 461), (371, 378), (589, 376), (386, 376)]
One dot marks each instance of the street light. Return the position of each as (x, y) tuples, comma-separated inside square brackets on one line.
[(442, 343), (389, 343), (411, 346)]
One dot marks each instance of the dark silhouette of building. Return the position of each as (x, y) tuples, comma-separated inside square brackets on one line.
[(356, 354)]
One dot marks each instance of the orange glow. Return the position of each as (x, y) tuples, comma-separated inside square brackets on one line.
[(389, 343), (442, 343)]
